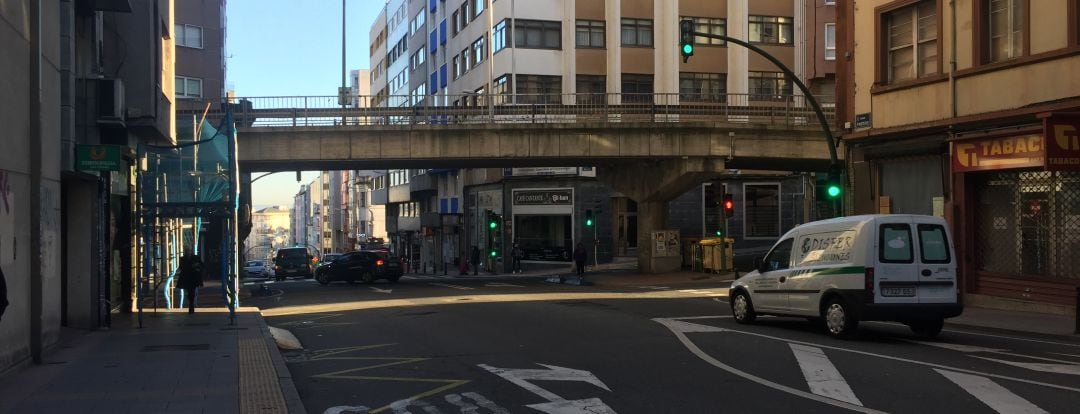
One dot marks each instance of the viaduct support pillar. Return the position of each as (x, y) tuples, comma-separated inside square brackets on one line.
[(652, 184)]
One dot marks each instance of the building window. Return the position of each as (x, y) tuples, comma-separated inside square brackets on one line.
[(911, 38), (188, 87), (637, 32), (830, 2), (417, 22), (590, 33), (478, 8), (419, 58), (466, 13), (457, 67), (1003, 35), (830, 41), (591, 89), (479, 48), (539, 89), (189, 36), (499, 36), (500, 86), (761, 210), (771, 29), (637, 88), (702, 87), (711, 26), (456, 19), (537, 34), (769, 85)]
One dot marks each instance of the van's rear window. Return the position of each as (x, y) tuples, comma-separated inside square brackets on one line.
[(894, 245), (292, 253), (933, 244)]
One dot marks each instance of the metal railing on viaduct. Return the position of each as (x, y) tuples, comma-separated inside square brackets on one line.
[(473, 108)]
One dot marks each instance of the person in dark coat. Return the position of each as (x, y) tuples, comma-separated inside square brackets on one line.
[(580, 256), (474, 259), (3, 294), (518, 254), (190, 273)]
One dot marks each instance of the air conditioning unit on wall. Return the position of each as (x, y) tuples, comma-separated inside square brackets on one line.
[(110, 102)]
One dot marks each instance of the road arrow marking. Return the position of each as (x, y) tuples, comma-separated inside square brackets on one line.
[(555, 404), (381, 290), (990, 393), (821, 375), (587, 406), (451, 286)]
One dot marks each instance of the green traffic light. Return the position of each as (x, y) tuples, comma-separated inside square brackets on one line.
[(493, 224), (834, 190), (492, 253), (687, 49), (588, 222), (718, 233)]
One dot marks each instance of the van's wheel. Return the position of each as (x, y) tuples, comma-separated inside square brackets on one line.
[(839, 321), (323, 278), (927, 328), (742, 309)]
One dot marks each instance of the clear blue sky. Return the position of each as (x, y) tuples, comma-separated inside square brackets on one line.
[(293, 48)]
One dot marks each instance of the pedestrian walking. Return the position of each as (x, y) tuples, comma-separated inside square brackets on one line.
[(518, 254), (191, 273), (580, 256), (3, 294), (474, 259)]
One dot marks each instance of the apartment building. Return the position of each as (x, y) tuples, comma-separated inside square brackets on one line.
[(583, 52), (199, 32), (962, 110)]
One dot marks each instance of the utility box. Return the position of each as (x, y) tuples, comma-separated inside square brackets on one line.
[(717, 254)]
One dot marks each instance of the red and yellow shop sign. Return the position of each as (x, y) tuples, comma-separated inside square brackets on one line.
[(1063, 146), (1022, 151)]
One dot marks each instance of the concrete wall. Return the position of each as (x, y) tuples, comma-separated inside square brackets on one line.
[(15, 179)]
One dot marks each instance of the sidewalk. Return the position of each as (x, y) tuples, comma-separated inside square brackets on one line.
[(1015, 321), (177, 363)]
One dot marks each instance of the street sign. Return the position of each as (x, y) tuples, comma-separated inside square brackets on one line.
[(99, 158)]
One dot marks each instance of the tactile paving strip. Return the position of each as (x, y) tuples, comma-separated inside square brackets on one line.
[(259, 388)]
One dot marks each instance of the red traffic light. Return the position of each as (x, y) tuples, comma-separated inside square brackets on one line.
[(729, 205)]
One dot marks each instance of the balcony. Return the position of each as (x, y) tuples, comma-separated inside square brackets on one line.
[(380, 197), (422, 183)]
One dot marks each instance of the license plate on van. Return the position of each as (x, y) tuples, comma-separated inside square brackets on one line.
[(901, 291)]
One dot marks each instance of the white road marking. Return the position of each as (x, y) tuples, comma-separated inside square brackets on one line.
[(451, 286), (720, 300), (500, 284), (347, 409), (1067, 369), (1038, 358), (381, 290), (889, 357), (586, 406), (821, 375), (689, 327), (483, 402), (402, 406), (990, 393), (1037, 341), (955, 347), (1068, 355), (654, 287), (779, 387), (555, 404)]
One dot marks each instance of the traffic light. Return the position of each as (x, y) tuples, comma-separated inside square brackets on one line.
[(686, 39), (834, 184), (588, 218), (493, 221), (729, 205)]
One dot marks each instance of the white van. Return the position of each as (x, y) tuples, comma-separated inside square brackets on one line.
[(839, 271)]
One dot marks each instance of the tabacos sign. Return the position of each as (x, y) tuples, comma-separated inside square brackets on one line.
[(996, 153), (1063, 142)]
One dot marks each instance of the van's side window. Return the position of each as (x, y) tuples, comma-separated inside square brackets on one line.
[(780, 257), (894, 245), (933, 243)]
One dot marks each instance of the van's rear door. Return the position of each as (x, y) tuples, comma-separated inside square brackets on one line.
[(896, 270), (937, 266)]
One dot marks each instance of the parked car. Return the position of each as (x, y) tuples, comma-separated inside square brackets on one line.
[(327, 258), (841, 271), (292, 261), (255, 268), (361, 266)]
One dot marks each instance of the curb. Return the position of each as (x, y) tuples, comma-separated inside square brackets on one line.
[(285, 381), (1005, 331)]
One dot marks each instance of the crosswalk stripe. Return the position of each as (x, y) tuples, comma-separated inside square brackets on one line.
[(452, 286), (990, 393), (821, 375)]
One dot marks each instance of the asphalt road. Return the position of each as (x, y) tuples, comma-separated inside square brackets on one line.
[(523, 346)]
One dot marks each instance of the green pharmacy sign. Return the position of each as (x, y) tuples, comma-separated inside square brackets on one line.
[(99, 158)]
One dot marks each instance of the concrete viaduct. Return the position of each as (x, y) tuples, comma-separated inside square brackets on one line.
[(649, 162)]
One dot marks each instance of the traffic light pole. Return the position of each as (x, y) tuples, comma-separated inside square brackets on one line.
[(802, 87)]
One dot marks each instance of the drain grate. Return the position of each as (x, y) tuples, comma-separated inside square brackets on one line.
[(182, 347)]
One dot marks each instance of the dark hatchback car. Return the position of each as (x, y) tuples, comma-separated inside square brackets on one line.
[(292, 261), (363, 266)]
